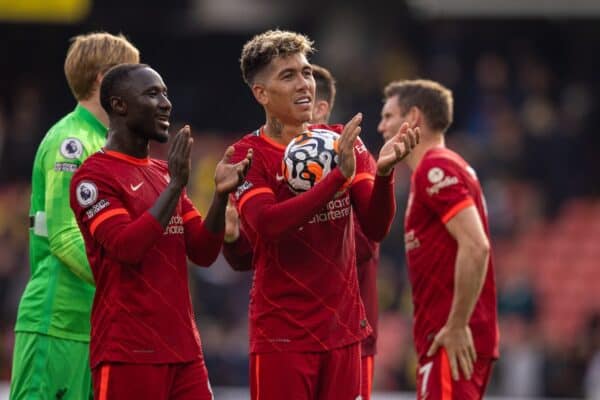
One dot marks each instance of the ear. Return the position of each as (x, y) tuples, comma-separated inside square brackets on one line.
[(415, 117), (320, 111), (260, 93), (118, 105)]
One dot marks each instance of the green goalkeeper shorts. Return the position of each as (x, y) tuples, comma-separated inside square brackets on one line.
[(49, 368)]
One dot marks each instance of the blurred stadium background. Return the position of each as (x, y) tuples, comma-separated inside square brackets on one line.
[(525, 80)]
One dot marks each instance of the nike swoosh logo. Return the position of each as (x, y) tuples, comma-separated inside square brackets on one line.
[(136, 187), (279, 177)]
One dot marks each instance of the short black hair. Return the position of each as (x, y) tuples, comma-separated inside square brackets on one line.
[(263, 48), (113, 81)]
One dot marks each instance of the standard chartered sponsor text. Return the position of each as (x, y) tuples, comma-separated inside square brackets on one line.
[(335, 209)]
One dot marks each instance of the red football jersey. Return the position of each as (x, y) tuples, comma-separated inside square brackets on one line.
[(142, 310), (442, 185), (305, 294), (367, 260), (239, 256)]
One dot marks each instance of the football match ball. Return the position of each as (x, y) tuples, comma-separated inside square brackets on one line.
[(309, 157)]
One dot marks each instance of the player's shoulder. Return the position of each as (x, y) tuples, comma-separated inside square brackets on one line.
[(246, 141), (444, 155), (250, 140), (67, 138), (92, 178), (94, 165), (159, 164), (71, 124), (337, 128), (440, 167), (441, 158)]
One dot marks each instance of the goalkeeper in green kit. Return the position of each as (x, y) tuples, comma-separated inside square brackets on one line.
[(51, 355)]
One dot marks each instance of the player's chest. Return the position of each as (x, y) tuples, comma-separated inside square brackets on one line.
[(418, 216), (273, 176), (141, 187)]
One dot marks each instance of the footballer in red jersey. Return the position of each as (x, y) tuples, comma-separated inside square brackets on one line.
[(238, 251), (447, 245), (306, 316), (139, 226)]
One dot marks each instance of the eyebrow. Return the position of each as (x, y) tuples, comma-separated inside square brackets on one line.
[(156, 87), (285, 71)]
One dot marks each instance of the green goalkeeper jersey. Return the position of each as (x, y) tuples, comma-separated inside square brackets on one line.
[(58, 298)]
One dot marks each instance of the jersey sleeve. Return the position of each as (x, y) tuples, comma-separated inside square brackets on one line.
[(99, 211), (239, 253), (366, 167), (440, 184), (202, 246), (258, 206), (372, 196), (188, 210), (64, 238)]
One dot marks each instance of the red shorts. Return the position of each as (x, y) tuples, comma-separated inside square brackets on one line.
[(366, 372), (181, 381), (332, 375), (434, 379)]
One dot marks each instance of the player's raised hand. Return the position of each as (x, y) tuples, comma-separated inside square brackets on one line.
[(229, 176), (398, 147), (460, 349), (179, 158), (232, 223), (347, 159)]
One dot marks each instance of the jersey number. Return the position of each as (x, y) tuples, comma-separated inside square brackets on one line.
[(425, 370)]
